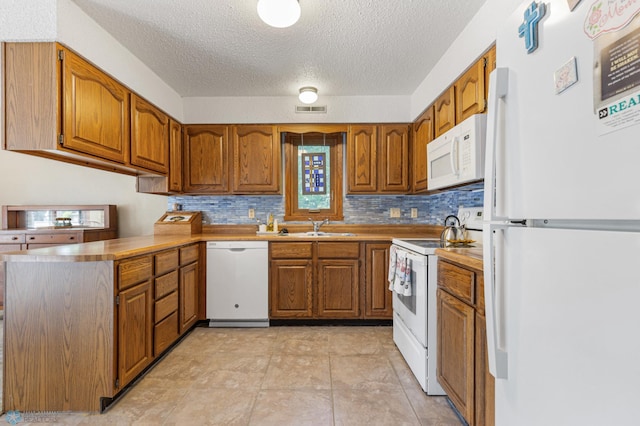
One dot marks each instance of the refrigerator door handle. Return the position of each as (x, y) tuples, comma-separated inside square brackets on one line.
[(498, 87), (497, 356)]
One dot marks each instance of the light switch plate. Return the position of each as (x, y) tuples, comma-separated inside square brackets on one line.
[(394, 212), (414, 213), (252, 213)]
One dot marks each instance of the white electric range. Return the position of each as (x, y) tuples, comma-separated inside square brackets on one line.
[(415, 317)]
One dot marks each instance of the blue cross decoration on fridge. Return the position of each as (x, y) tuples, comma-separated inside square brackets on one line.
[(529, 28)]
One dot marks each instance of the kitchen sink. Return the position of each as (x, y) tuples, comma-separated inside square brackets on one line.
[(320, 234)]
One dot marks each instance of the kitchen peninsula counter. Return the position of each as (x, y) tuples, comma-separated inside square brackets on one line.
[(121, 248)]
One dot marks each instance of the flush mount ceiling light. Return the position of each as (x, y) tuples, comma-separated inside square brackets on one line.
[(308, 95), (279, 13)]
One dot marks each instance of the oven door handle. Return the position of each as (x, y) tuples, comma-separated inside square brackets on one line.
[(418, 259)]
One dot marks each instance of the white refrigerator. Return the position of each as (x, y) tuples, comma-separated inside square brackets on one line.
[(562, 215)]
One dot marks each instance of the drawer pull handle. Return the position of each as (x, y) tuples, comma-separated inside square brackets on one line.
[(32, 238), (14, 238), (72, 238)]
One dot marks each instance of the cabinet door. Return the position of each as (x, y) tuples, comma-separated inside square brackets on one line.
[(149, 136), (256, 160), (470, 92), (188, 296), (377, 296), (338, 290), (206, 159), (291, 288), (96, 111), (135, 322), (422, 135), (393, 162), (175, 157), (484, 381), (362, 163), (490, 60), (445, 112), (456, 352)]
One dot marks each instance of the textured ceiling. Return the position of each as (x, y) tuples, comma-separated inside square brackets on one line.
[(343, 47)]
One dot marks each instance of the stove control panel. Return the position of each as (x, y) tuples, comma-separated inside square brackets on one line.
[(471, 217)]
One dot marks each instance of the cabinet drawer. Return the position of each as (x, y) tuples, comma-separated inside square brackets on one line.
[(166, 284), (134, 271), (189, 254), (458, 281), (10, 247), (52, 238), (338, 250), (165, 333), (165, 261), (12, 239), (301, 250), (166, 306)]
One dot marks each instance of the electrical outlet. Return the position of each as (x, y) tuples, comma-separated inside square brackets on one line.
[(394, 212), (414, 213), (252, 213)]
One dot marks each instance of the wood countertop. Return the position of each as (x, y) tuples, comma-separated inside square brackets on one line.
[(470, 257), (121, 248)]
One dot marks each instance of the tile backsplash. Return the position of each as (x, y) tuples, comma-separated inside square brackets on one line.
[(432, 209)]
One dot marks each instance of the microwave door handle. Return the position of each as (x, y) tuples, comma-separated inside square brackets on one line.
[(453, 156)]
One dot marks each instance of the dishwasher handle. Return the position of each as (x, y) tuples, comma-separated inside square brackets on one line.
[(237, 245)]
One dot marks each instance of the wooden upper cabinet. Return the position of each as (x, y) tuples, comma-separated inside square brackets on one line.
[(445, 113), (378, 159), (394, 158), (56, 101), (362, 165), (470, 92), (422, 135), (175, 157), (96, 110), (490, 60), (149, 136), (256, 159), (206, 159)]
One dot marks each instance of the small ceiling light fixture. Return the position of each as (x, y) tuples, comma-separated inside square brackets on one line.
[(308, 95), (279, 13)]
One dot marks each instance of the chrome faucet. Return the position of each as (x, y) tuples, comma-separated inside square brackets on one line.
[(317, 225)]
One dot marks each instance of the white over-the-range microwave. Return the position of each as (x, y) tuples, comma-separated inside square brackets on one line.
[(457, 156)]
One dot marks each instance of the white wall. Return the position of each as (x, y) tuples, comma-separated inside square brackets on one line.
[(477, 37), (25, 179), (82, 34), (340, 109)]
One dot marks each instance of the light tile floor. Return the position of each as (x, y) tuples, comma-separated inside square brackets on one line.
[(276, 376)]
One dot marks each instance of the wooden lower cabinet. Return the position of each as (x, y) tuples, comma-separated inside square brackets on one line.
[(111, 318), (456, 352), (484, 382), (189, 278), (315, 280), (135, 338), (462, 368), (291, 288), (377, 297), (338, 288)]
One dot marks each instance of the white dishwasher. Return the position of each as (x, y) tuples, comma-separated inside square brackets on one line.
[(238, 283)]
